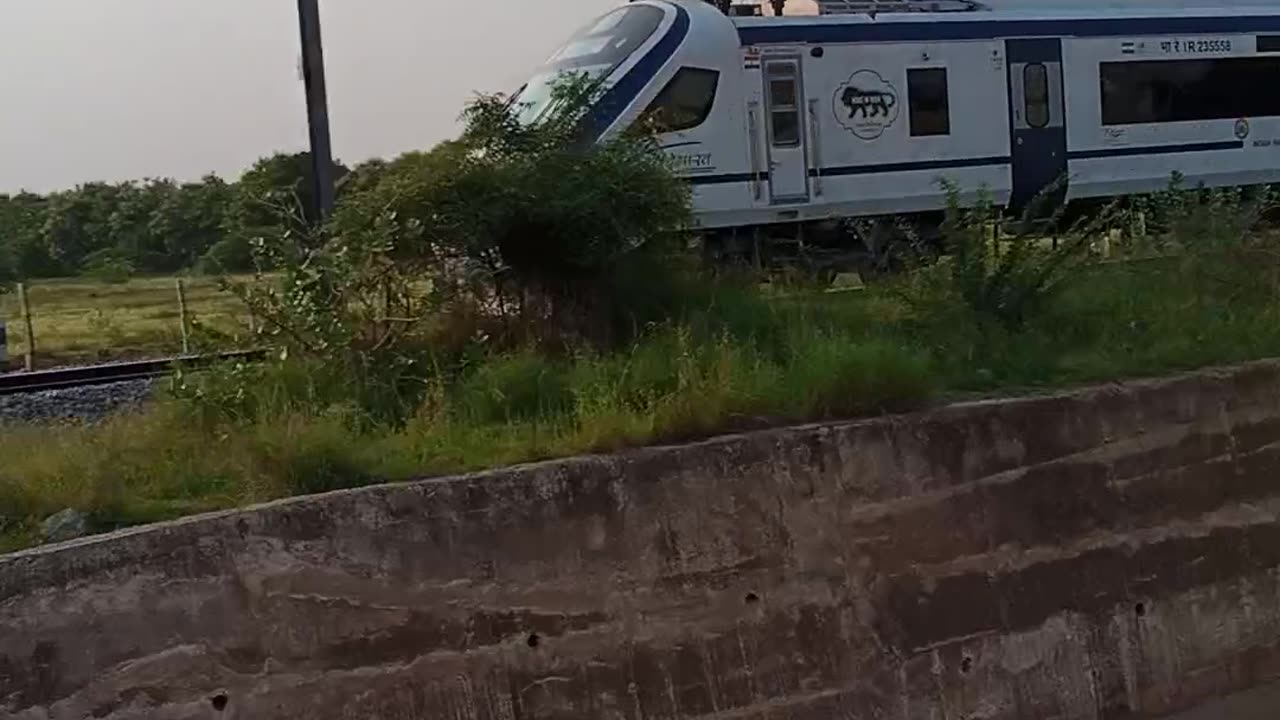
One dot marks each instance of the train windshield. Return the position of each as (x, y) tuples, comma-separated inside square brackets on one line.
[(594, 52)]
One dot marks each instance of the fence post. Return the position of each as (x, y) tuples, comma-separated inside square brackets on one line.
[(4, 347), (182, 318), (29, 359)]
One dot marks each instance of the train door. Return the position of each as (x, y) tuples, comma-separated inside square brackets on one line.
[(1037, 119), (785, 131)]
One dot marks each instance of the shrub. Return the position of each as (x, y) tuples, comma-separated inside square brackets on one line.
[(518, 232), (518, 386), (1004, 276), (231, 254), (108, 267)]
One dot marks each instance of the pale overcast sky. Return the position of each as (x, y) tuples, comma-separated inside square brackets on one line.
[(121, 89)]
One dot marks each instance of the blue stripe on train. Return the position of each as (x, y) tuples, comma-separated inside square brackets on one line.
[(843, 170), (1155, 150), (911, 166), (882, 168), (726, 178)]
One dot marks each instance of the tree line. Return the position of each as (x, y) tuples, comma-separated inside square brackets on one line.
[(114, 230)]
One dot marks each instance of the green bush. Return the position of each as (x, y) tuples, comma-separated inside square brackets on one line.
[(513, 235), (108, 267), (519, 386), (232, 254), (1005, 273)]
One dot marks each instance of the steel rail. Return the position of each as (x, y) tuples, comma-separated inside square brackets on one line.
[(17, 383)]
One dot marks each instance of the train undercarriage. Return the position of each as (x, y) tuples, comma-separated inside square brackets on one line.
[(868, 246)]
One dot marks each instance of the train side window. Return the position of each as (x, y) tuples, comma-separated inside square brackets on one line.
[(1035, 91), (685, 102), (1164, 91), (929, 108)]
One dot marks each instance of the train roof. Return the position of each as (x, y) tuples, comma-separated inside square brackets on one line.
[(1131, 5), (1024, 18)]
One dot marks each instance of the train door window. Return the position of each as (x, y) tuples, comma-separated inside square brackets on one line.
[(1035, 92), (929, 108), (784, 104), (684, 103)]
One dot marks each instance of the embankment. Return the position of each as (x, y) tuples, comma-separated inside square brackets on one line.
[(1109, 553)]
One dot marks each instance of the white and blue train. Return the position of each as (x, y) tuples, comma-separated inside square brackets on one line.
[(791, 122)]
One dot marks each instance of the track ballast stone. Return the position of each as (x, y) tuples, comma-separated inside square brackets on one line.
[(84, 404)]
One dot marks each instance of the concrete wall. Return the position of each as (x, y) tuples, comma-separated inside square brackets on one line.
[(1107, 554)]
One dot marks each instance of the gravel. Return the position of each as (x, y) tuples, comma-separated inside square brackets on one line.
[(86, 404)]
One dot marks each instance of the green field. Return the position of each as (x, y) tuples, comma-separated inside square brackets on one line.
[(81, 320)]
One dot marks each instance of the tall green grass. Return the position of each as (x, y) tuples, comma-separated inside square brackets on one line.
[(285, 430)]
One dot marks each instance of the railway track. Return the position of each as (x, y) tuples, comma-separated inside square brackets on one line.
[(18, 383)]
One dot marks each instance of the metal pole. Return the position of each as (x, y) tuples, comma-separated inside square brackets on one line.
[(182, 318), (317, 105), (29, 360)]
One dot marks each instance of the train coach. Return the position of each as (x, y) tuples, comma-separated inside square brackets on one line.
[(784, 124)]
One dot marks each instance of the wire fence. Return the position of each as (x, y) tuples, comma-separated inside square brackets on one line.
[(70, 322)]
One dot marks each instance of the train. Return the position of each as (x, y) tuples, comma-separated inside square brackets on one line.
[(824, 131)]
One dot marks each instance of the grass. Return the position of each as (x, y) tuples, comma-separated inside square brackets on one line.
[(741, 360), (81, 320), (246, 436)]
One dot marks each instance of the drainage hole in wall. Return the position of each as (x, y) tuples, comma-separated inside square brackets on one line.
[(533, 640), (966, 665), (752, 598), (219, 702), (1140, 609)]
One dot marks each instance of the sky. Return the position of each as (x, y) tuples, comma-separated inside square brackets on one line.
[(125, 89)]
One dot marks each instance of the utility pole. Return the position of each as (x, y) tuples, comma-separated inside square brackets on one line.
[(317, 105)]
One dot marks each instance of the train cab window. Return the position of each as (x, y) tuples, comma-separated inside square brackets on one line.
[(593, 52), (1035, 92), (1163, 91), (684, 103), (784, 103), (929, 108)]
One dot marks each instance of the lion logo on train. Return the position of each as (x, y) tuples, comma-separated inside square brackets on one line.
[(866, 104)]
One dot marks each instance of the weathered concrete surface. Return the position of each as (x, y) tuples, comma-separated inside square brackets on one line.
[(1257, 704), (1112, 553)]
